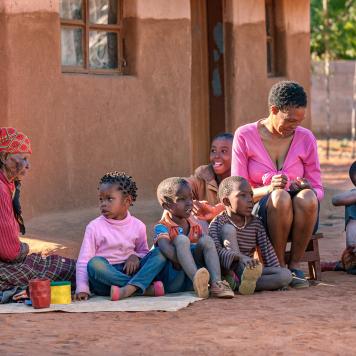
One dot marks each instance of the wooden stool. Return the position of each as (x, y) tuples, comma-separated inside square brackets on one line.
[(311, 256)]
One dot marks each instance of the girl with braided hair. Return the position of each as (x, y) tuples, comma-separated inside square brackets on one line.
[(114, 258)]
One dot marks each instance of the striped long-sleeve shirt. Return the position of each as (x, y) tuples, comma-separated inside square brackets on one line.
[(9, 228), (248, 239)]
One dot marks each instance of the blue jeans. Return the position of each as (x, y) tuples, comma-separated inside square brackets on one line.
[(102, 275), (175, 280)]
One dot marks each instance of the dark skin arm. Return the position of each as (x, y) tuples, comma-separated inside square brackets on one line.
[(168, 251), (279, 181), (346, 198)]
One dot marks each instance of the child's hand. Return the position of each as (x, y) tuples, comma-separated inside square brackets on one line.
[(131, 265), (81, 296), (249, 262)]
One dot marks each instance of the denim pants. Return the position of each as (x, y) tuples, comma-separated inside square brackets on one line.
[(176, 281), (102, 275)]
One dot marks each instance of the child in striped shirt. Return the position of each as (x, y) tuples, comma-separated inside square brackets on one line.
[(192, 258), (237, 234)]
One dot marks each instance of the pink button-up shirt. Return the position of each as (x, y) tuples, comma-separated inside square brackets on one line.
[(251, 160), (114, 240)]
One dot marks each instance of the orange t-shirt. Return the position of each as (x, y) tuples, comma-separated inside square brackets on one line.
[(168, 229)]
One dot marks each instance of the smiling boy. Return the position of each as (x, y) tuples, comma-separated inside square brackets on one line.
[(181, 241)]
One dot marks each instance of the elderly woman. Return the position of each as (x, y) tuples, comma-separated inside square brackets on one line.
[(17, 267), (280, 160)]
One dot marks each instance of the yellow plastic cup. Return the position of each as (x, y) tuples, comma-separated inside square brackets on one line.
[(60, 293)]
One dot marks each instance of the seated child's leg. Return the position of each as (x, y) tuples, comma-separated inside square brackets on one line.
[(351, 233), (150, 266), (101, 273), (174, 280), (273, 278), (229, 238), (205, 254), (184, 255), (199, 277)]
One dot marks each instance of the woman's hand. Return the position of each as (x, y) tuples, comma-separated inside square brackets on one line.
[(300, 184), (81, 296), (131, 265), (279, 181)]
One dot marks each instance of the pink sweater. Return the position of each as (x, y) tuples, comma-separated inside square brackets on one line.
[(114, 240), (251, 160)]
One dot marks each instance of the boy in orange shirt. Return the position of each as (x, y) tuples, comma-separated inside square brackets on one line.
[(180, 238)]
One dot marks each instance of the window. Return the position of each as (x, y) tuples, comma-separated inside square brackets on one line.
[(275, 36), (91, 36)]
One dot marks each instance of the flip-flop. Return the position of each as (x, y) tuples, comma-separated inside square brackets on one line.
[(201, 283), (158, 289), (249, 278), (115, 293)]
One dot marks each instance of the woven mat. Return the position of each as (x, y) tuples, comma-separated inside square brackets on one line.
[(170, 302)]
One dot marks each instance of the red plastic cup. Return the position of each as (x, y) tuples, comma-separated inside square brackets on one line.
[(40, 292)]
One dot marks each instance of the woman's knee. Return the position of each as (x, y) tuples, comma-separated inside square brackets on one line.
[(306, 201), (96, 263), (181, 241), (281, 200)]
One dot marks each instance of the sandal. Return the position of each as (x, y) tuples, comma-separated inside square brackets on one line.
[(158, 291), (221, 289), (232, 279), (249, 279), (201, 283)]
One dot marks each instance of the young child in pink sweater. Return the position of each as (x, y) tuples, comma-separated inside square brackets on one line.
[(114, 258)]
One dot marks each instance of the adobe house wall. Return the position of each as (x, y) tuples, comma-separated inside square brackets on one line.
[(246, 68), (81, 125)]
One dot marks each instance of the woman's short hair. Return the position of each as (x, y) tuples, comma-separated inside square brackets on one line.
[(287, 94)]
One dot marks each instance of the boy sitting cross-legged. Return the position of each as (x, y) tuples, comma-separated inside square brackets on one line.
[(237, 233), (179, 237)]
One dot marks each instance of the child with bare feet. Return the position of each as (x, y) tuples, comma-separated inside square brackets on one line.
[(237, 234), (114, 258), (347, 199), (193, 260)]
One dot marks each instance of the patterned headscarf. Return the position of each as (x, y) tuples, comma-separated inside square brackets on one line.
[(13, 141)]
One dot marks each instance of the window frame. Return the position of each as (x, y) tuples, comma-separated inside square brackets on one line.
[(86, 27)]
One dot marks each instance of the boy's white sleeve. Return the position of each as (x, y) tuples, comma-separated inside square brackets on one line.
[(87, 252)]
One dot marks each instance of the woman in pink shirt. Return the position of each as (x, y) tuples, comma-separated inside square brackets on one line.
[(114, 258), (280, 160)]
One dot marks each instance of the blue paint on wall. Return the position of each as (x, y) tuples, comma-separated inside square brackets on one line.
[(219, 36), (216, 83)]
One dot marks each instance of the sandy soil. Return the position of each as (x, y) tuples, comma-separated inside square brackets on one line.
[(319, 320)]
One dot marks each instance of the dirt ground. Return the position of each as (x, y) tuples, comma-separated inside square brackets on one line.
[(319, 320)]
